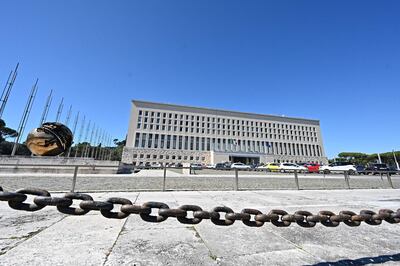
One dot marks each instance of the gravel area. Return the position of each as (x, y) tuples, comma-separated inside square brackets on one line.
[(149, 180)]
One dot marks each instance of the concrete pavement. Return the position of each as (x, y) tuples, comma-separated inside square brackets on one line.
[(47, 237)]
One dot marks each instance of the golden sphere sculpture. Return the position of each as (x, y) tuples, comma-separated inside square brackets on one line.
[(50, 139)]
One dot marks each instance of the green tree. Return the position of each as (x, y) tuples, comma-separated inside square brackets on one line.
[(6, 132), (359, 158), (116, 152)]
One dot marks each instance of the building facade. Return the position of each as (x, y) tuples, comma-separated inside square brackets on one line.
[(166, 133)]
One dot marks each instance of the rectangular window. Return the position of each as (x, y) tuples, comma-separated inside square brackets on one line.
[(156, 141), (197, 143), (149, 143), (137, 140), (186, 142), (162, 142), (180, 143), (174, 142), (203, 140), (191, 143), (144, 135), (168, 141)]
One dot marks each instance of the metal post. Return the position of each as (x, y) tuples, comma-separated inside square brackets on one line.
[(73, 132), (59, 110), (296, 180), (46, 108), (25, 116), (74, 178), (7, 89), (165, 177), (236, 184), (68, 115), (389, 178), (346, 179)]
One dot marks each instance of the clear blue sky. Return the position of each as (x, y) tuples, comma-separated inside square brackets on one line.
[(336, 61)]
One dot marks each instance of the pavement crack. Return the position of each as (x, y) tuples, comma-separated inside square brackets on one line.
[(197, 235), (119, 234), (30, 235), (296, 245), (115, 242)]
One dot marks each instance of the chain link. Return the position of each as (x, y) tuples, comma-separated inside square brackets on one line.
[(220, 215)]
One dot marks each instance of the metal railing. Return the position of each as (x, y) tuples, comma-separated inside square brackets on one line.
[(74, 166), (193, 171)]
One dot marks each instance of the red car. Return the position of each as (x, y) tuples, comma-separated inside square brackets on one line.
[(312, 167)]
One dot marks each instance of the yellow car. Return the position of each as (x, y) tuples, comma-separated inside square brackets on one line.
[(273, 167)]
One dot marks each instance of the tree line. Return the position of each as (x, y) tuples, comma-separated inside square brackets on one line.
[(359, 158), (83, 149)]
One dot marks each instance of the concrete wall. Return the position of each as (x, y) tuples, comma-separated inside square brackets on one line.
[(17, 163)]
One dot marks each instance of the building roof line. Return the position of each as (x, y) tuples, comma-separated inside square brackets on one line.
[(185, 108)]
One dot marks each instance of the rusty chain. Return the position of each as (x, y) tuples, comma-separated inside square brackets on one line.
[(249, 217)]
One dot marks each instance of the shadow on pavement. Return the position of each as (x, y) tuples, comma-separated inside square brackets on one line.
[(362, 261)]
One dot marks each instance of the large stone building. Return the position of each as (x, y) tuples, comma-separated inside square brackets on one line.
[(167, 133)]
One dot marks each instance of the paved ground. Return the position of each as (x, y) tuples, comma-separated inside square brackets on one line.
[(47, 237), (150, 180)]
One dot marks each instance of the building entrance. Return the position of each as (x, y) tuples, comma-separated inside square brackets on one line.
[(245, 160)]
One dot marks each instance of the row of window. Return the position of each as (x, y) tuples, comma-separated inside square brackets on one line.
[(168, 157), (148, 122), (173, 118), (162, 163), (175, 142), (233, 133)]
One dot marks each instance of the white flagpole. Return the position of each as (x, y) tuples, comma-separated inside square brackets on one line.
[(397, 164)]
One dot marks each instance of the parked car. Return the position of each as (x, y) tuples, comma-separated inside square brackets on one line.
[(240, 166), (393, 170), (360, 169), (262, 167), (196, 166), (291, 167), (312, 167), (210, 166), (223, 166), (273, 167), (156, 165), (376, 168), (147, 165), (338, 166)]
